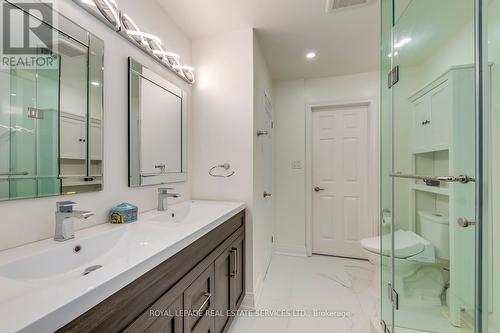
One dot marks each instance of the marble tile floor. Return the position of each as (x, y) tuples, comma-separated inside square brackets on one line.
[(316, 294)]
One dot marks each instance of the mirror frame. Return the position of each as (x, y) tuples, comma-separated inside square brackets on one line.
[(136, 68)]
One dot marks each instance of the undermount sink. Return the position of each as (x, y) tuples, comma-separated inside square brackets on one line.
[(62, 258)]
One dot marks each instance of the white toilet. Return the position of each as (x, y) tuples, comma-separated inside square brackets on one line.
[(412, 252)]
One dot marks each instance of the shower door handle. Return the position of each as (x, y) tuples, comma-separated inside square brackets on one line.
[(465, 223)]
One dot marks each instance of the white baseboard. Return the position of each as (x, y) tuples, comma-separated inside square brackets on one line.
[(290, 250)]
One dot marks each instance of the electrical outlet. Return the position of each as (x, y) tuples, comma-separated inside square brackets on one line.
[(297, 164)]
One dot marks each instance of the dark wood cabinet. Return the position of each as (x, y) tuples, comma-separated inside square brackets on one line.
[(222, 300), (198, 303), (237, 282), (229, 283), (192, 292), (161, 317)]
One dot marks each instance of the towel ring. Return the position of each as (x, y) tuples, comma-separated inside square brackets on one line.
[(225, 166)]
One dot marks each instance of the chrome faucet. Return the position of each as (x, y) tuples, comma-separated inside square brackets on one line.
[(65, 228), (164, 194)]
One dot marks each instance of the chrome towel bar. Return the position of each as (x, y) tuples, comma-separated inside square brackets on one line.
[(463, 179)]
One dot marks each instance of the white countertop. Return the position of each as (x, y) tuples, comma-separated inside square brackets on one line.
[(59, 293)]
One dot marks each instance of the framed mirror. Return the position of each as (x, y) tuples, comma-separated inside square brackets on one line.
[(157, 128), (51, 112)]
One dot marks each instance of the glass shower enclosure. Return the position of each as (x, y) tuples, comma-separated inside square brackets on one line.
[(438, 165)]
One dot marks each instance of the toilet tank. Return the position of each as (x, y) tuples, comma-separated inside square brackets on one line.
[(434, 227)]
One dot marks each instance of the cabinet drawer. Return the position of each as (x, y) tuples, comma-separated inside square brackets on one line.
[(197, 301), (162, 317)]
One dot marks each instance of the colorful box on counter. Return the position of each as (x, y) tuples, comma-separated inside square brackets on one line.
[(124, 213)]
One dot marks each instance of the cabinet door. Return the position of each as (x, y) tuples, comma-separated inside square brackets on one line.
[(197, 301), (73, 138), (238, 273), (95, 144), (224, 266), (441, 104), (421, 124), (159, 318)]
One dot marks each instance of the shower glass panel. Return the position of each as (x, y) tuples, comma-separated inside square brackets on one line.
[(491, 153), (431, 119), (385, 277)]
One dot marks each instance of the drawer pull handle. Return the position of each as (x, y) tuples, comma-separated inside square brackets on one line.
[(207, 295), (234, 254)]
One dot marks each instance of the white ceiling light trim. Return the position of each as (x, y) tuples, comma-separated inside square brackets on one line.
[(311, 55), (107, 11)]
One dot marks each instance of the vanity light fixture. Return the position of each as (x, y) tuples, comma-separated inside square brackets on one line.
[(144, 36), (187, 71), (108, 12), (89, 2), (108, 9)]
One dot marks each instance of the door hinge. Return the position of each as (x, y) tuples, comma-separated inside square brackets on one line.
[(393, 77), (385, 328), (272, 239), (393, 296)]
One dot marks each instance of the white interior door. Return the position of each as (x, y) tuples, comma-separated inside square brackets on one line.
[(340, 181)]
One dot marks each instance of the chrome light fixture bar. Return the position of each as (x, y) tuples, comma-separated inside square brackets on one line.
[(107, 11)]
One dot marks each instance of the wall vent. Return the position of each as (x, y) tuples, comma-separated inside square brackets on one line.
[(332, 5)]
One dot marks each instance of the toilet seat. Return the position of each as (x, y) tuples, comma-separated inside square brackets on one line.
[(407, 244)]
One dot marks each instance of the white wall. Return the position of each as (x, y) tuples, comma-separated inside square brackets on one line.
[(290, 100), (26, 221), (222, 122), (263, 169)]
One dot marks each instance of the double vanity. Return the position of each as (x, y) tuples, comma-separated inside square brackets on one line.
[(179, 270)]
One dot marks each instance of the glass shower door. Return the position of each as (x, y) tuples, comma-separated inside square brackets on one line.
[(433, 206)]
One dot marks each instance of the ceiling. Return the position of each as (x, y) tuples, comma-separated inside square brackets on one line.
[(346, 41)]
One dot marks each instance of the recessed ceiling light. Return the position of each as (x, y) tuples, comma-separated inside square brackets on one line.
[(311, 55)]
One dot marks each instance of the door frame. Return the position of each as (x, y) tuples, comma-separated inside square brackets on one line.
[(373, 145)]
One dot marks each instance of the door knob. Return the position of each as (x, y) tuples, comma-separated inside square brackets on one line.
[(318, 189), (266, 194), (464, 223)]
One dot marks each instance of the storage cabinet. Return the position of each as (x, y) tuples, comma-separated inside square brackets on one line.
[(163, 316), (432, 112), (237, 290), (73, 138), (229, 282), (194, 291), (198, 302)]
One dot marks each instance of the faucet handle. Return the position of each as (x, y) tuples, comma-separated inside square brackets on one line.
[(65, 206), (164, 190)]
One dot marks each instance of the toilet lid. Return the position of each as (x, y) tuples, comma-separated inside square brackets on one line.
[(406, 244)]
